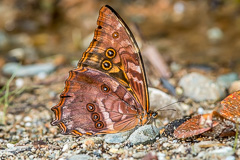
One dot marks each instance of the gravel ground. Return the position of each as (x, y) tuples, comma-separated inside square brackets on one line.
[(29, 135)]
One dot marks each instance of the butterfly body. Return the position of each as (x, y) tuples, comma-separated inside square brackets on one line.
[(107, 93)]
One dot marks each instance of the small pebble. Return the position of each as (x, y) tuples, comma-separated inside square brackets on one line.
[(215, 34), (113, 150), (235, 86), (9, 145), (89, 143), (4, 40), (166, 145), (139, 154), (161, 156), (28, 124), (227, 79), (200, 110), (27, 119), (31, 156), (179, 7), (175, 67), (19, 82), (224, 151), (144, 134), (42, 75), (74, 145), (52, 94), (65, 147), (181, 149), (117, 146), (230, 158), (105, 156)]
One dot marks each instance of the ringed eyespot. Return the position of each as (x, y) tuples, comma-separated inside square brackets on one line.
[(90, 107), (115, 35), (106, 65), (110, 53), (105, 88), (95, 117), (99, 125)]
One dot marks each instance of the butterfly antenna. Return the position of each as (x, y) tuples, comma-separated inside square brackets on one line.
[(161, 109), (169, 109)]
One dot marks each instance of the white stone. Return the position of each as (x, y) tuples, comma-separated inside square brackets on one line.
[(27, 119), (200, 110), (9, 145), (19, 82), (65, 147)]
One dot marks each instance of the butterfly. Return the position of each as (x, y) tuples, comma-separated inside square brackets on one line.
[(221, 122), (107, 93)]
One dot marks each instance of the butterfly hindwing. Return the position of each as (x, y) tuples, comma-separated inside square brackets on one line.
[(93, 103)]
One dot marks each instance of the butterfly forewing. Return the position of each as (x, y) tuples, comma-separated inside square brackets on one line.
[(114, 51)]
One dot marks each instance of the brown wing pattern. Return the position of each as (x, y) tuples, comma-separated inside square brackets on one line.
[(230, 107), (95, 103), (195, 126), (114, 51)]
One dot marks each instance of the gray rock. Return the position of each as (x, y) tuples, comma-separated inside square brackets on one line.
[(175, 67), (28, 70), (181, 149), (28, 54), (139, 154), (144, 134), (80, 157), (162, 101), (200, 88), (4, 40), (224, 151), (16, 149), (161, 156), (118, 137), (230, 158), (215, 34), (219, 153), (227, 79), (235, 86), (9, 145)]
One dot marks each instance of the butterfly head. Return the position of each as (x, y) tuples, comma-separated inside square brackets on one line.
[(152, 114), (150, 117)]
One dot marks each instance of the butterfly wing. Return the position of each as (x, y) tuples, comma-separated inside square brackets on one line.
[(114, 51), (230, 107), (95, 103), (195, 126)]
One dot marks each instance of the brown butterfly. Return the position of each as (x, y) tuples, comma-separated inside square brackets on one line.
[(221, 122), (107, 93)]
